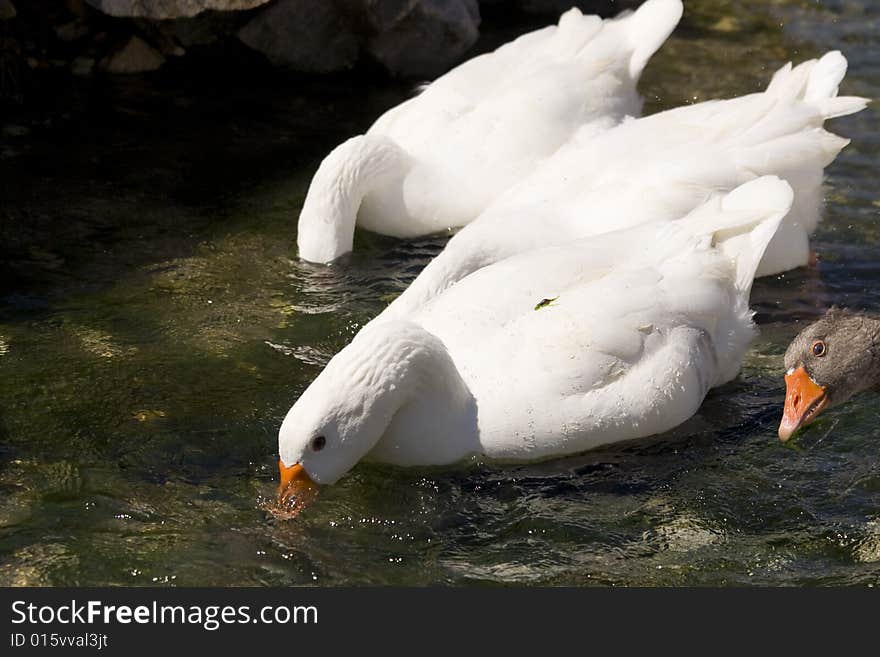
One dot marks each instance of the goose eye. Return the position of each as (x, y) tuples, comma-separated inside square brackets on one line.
[(819, 348), (318, 443)]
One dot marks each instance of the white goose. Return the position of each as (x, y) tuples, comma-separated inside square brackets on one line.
[(661, 167), (547, 353), (437, 160)]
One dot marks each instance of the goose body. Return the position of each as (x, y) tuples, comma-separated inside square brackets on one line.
[(549, 352), (437, 160), (661, 167)]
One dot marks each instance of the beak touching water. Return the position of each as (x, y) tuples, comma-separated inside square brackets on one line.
[(296, 487), (804, 400)]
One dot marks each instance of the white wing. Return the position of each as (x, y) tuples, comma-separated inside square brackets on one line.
[(485, 125), (659, 168), (612, 337)]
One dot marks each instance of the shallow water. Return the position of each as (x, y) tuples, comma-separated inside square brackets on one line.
[(155, 326)]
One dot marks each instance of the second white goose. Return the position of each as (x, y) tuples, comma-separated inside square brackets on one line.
[(437, 160)]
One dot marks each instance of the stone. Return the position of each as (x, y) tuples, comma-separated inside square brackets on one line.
[(136, 56), (556, 7), (727, 24), (7, 10), (160, 35), (164, 9), (77, 8), (421, 38), (205, 29), (82, 66), (72, 31), (313, 36)]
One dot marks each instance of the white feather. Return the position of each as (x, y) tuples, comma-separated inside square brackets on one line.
[(661, 167), (482, 127), (552, 351)]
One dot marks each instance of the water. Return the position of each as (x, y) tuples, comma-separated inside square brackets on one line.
[(155, 326)]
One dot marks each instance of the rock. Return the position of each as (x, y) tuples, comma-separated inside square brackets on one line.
[(82, 66), (421, 38), (76, 7), (314, 36), (556, 7), (136, 56), (174, 51), (727, 24), (160, 35), (163, 9), (72, 31), (205, 28), (191, 33), (7, 10)]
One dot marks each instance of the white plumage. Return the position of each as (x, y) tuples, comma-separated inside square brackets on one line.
[(549, 352), (437, 160), (661, 167)]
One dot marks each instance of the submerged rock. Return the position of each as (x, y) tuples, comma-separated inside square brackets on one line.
[(314, 36), (423, 38), (72, 31), (162, 9), (82, 66), (136, 56)]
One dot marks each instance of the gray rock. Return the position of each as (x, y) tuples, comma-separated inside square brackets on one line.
[(7, 10), (160, 35), (421, 38), (205, 28), (136, 56), (556, 7), (162, 9), (314, 36)]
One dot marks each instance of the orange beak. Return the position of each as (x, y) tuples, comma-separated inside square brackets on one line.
[(804, 400), (296, 485)]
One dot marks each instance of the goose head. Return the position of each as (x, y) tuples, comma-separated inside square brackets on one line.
[(827, 363), (358, 398)]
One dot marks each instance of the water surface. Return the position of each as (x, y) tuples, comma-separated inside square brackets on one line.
[(155, 326)]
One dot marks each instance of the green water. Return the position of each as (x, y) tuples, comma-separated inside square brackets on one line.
[(155, 326)]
